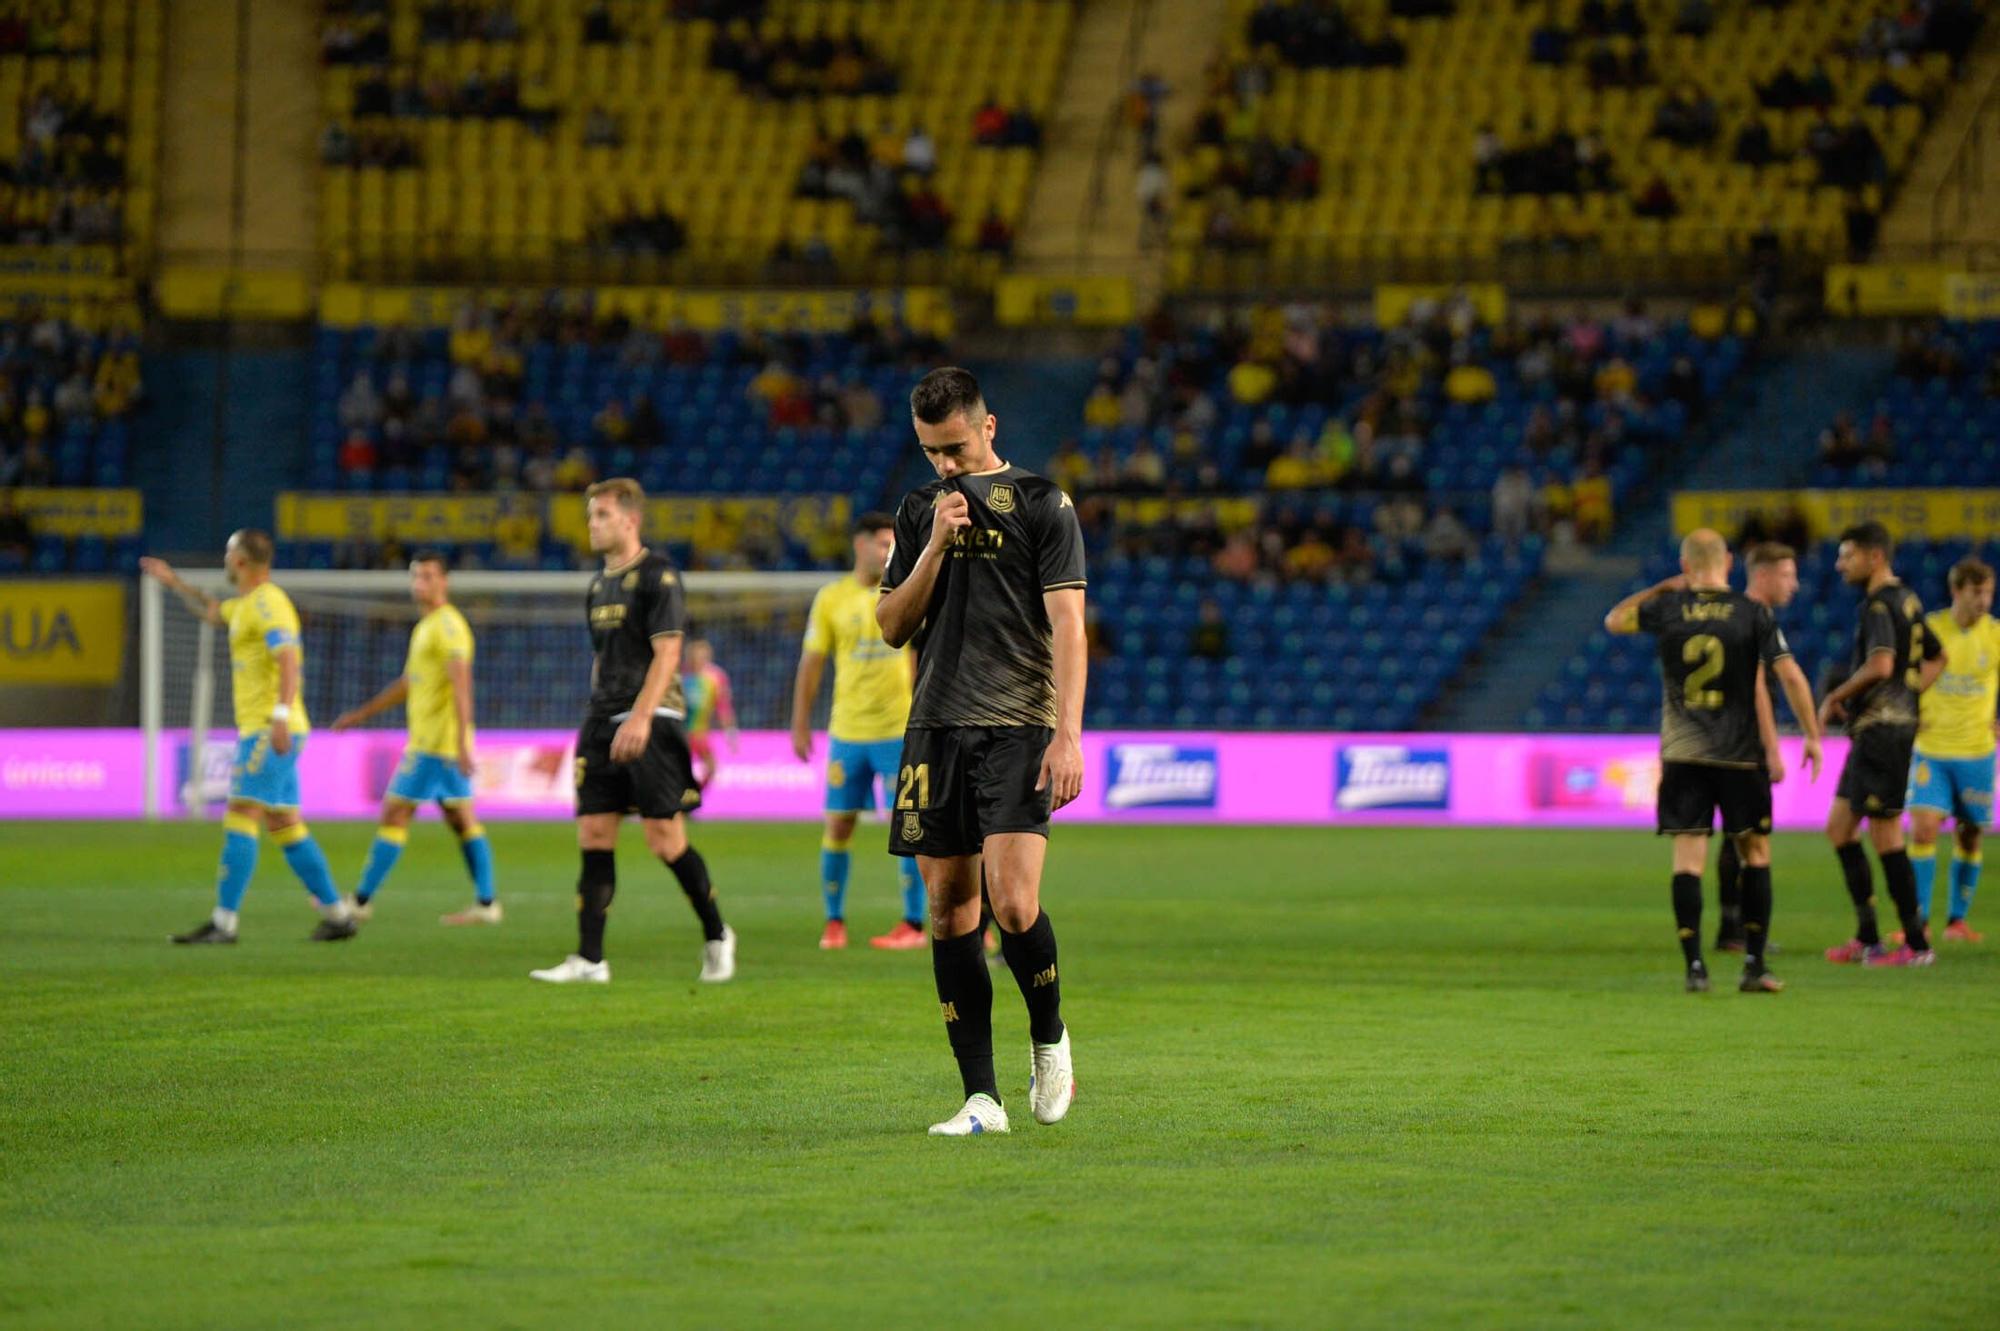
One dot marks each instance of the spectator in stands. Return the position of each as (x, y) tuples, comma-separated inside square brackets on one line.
[(1754, 146), (1694, 18), (1446, 538), (1688, 116), (1656, 200), (361, 407), (1469, 382), (598, 28), (576, 472), (989, 124), (1840, 443), (1592, 498), (1209, 639), (1153, 186), (995, 232), (919, 152), (1513, 504)]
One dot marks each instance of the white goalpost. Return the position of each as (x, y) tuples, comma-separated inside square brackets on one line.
[(531, 663)]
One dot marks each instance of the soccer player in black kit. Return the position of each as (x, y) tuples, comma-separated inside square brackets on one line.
[(1895, 659), (632, 753), (1718, 738), (987, 580)]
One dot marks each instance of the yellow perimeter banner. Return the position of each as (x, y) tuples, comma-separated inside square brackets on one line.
[(1086, 302), (718, 523), (61, 632), (1971, 296), (62, 512), (1911, 288), (1930, 515), (1394, 302), (926, 309)]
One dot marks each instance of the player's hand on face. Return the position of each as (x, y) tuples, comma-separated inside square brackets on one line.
[(1062, 771), (802, 745), (952, 513), (281, 738), (630, 741), (1813, 759)]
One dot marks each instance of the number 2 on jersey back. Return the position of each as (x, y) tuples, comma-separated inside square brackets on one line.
[(1707, 649), (919, 778)]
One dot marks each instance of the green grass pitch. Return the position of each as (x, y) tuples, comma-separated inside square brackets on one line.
[(1382, 1078)]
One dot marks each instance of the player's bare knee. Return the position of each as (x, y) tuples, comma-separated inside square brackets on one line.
[(1924, 828), (458, 818), (1886, 834), (1968, 838), (277, 820), (1754, 849), (597, 832), (840, 826), (397, 813), (666, 838)]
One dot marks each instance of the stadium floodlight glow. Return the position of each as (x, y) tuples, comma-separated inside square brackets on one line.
[(184, 677)]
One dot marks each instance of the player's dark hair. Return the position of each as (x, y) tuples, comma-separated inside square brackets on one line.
[(1766, 553), (1869, 536), (253, 545), (432, 557), (871, 522), (1970, 571), (945, 392)]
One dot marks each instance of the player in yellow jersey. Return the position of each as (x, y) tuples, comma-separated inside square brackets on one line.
[(267, 669), (1952, 774), (436, 688), (871, 705)]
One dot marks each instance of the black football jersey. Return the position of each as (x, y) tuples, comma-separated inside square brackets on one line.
[(1710, 643), (1892, 620), (628, 608), (985, 653)]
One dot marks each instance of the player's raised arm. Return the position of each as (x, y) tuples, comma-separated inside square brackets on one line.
[(1062, 765), (1624, 617), (392, 694), (199, 603), (901, 610)]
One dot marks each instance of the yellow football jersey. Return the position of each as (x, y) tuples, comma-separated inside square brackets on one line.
[(1955, 715), (261, 624), (871, 679), (439, 638)]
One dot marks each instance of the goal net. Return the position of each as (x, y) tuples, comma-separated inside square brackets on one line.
[(531, 665)]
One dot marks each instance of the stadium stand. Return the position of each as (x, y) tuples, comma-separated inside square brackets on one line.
[(1613, 684), (67, 393), (1303, 524), (787, 140), (538, 397), (1352, 134), (1936, 424), (79, 96)]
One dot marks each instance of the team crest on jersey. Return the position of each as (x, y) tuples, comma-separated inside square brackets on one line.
[(913, 827), (1001, 498), (631, 581)]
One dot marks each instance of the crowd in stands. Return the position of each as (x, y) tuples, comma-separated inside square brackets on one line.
[(59, 383), (64, 183), (1936, 422), (492, 424), (1359, 438), (887, 180), (1311, 34), (789, 66)]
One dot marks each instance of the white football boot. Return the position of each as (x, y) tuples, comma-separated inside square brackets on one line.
[(575, 970), (718, 959), (1051, 1080), (982, 1114), (489, 913)]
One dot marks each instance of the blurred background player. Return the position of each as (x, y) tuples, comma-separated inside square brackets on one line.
[(437, 764), (1772, 580), (267, 672), (1894, 660), (706, 686), (1952, 775), (632, 752), (1718, 738), (871, 705)]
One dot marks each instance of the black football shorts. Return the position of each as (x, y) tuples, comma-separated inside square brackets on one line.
[(1875, 780), (961, 785), (1690, 794), (659, 783)]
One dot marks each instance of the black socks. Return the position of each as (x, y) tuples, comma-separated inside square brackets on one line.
[(1756, 880), (692, 871), (1031, 955), (1729, 891), (965, 994), (594, 890), (1901, 877), (1687, 914), (1861, 890)]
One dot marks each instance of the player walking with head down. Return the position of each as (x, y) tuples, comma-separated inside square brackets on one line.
[(1718, 738), (987, 579), (1952, 776), (632, 753)]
